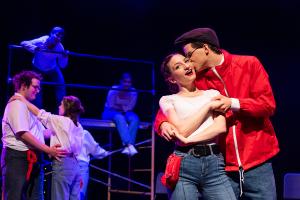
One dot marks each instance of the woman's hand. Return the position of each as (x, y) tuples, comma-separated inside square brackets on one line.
[(17, 97), (181, 140)]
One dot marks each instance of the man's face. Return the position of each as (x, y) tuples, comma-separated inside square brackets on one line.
[(56, 37), (126, 83), (196, 56), (31, 91)]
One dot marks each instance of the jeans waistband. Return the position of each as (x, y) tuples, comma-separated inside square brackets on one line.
[(69, 155), (200, 149)]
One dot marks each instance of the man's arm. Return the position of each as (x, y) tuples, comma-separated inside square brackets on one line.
[(260, 103), (20, 127), (31, 140), (35, 44)]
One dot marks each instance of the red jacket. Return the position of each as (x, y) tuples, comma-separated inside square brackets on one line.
[(245, 79)]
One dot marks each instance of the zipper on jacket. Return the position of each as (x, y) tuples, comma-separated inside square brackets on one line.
[(241, 170)]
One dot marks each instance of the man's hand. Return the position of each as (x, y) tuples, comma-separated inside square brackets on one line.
[(65, 53), (225, 104), (168, 131), (57, 153)]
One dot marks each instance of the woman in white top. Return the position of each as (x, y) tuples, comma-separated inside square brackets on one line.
[(190, 110), (66, 131), (90, 148)]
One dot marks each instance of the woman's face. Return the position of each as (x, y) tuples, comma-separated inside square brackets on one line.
[(181, 72), (61, 109)]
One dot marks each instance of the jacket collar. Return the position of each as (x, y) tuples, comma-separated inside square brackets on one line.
[(220, 68)]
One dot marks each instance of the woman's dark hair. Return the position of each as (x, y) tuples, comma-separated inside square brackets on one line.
[(165, 71), (72, 107)]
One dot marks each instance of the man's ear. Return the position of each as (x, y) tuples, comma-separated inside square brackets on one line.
[(23, 87), (206, 49)]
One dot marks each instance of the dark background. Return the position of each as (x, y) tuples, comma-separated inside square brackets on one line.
[(145, 30)]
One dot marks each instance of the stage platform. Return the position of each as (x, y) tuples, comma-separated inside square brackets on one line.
[(106, 124)]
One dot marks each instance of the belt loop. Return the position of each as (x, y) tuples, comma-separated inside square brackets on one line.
[(241, 174), (210, 149)]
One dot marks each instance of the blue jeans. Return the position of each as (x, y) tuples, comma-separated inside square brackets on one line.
[(55, 76), (259, 183), (14, 167), (84, 171), (127, 124), (65, 179), (202, 176)]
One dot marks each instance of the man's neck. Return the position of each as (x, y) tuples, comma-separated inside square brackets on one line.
[(20, 93), (216, 60)]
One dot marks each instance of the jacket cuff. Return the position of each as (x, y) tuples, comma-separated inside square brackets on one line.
[(235, 104)]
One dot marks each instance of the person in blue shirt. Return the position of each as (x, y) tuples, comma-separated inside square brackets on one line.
[(120, 102), (49, 58)]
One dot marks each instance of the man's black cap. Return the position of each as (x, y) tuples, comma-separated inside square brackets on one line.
[(205, 35)]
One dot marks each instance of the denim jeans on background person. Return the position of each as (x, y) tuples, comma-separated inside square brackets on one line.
[(84, 171), (14, 167), (259, 183), (127, 124), (65, 179), (203, 176), (55, 76)]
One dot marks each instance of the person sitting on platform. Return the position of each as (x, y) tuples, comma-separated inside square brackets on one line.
[(49, 57), (120, 102), (89, 148)]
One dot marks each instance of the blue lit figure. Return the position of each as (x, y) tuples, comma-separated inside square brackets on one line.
[(89, 148), (49, 63), (120, 102)]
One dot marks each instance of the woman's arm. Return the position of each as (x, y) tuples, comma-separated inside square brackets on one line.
[(218, 127), (32, 108), (187, 126), (48, 120)]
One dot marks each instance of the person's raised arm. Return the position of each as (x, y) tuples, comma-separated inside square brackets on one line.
[(32, 108)]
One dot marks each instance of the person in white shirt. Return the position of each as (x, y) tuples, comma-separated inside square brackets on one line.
[(49, 58), (67, 132), (23, 143), (89, 148), (190, 110), (120, 102)]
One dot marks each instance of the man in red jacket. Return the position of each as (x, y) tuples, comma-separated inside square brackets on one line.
[(248, 102)]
